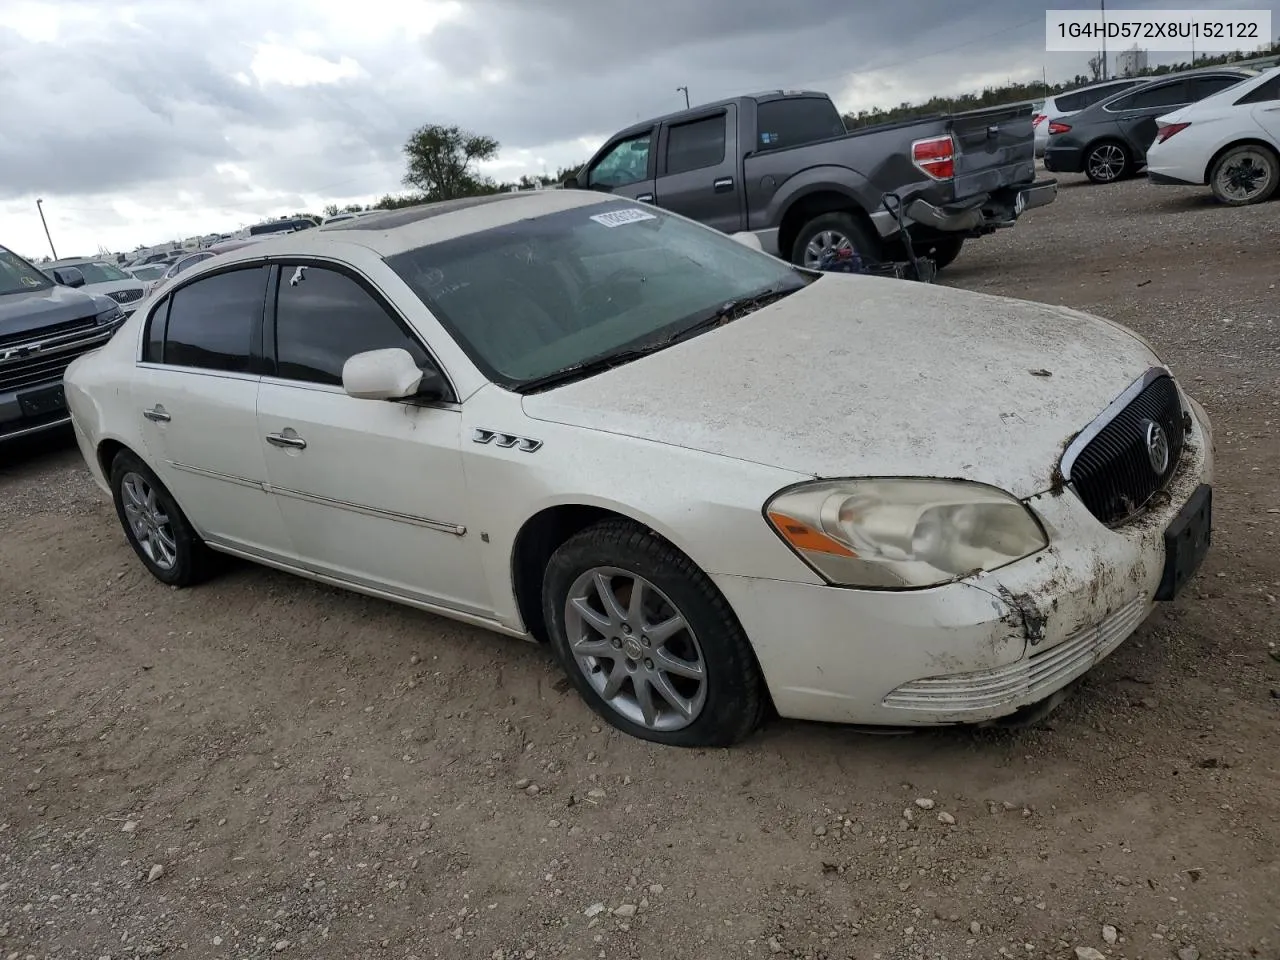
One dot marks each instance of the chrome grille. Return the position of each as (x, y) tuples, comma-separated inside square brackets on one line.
[(125, 296), (1112, 469), (44, 333), (45, 363)]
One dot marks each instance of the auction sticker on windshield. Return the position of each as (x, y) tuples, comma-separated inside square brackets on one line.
[(616, 218)]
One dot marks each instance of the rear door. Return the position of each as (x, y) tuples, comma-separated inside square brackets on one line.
[(697, 169), (1135, 114), (1265, 107), (196, 393), (626, 166)]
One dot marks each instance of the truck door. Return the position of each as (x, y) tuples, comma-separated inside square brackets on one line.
[(625, 167), (698, 169)]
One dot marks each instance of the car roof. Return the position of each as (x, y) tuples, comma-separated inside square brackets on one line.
[(389, 232), (1241, 73)]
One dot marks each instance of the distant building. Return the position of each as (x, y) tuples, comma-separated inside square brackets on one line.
[(1131, 62)]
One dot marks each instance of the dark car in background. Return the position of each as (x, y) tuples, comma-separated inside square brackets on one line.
[(1109, 140), (45, 323)]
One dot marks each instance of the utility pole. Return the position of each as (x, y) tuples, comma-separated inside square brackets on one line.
[(1106, 74), (685, 91), (40, 207)]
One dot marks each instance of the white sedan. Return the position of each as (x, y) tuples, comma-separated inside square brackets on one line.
[(1230, 141), (712, 481)]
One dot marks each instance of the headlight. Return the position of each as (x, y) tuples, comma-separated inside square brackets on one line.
[(901, 534), (110, 315)]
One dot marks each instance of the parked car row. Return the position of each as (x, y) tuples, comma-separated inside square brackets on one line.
[(1218, 127)]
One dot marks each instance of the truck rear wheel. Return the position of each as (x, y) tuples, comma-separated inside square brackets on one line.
[(834, 231)]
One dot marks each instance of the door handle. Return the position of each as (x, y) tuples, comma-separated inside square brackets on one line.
[(645, 198), (157, 414), (280, 440), (723, 184)]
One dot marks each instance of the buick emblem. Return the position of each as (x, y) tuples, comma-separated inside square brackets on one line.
[(1157, 447)]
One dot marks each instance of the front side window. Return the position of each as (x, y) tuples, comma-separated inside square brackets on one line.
[(536, 297), (692, 146), (323, 318), (212, 321), (625, 164)]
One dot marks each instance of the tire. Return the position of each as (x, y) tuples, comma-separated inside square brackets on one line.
[(155, 525), (611, 658), (839, 229), (1108, 161), (1237, 191), (942, 251)]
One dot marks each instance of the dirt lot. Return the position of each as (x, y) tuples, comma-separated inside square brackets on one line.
[(314, 774)]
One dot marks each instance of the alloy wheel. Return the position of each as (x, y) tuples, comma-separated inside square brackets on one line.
[(635, 649), (1106, 162), (821, 244), (148, 521)]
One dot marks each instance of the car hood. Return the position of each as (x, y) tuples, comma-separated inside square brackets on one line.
[(860, 376), (34, 310)]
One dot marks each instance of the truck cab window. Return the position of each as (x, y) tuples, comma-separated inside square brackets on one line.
[(692, 146), (795, 121), (626, 163)]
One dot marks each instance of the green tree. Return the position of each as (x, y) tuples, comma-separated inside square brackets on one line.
[(440, 162)]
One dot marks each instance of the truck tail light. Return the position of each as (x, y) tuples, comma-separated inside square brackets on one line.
[(935, 157), (1164, 133), (1057, 126), (1039, 119)]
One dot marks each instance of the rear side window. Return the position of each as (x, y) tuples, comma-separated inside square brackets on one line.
[(153, 349), (212, 321), (692, 146), (1164, 95), (1202, 87), (1073, 102), (1268, 91), (323, 318), (795, 121)]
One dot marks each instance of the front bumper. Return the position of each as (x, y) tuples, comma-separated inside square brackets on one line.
[(984, 213), (974, 650)]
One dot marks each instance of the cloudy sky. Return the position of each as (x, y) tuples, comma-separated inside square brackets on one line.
[(142, 122)]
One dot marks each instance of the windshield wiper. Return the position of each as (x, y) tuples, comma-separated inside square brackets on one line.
[(731, 310)]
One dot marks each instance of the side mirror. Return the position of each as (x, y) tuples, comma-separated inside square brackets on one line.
[(389, 374), (68, 276), (748, 239), (570, 183)]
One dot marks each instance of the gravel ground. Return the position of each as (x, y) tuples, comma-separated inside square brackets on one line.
[(266, 767)]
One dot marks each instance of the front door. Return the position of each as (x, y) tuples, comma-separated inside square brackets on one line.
[(196, 393), (371, 491)]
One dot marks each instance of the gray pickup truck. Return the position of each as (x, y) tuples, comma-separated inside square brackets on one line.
[(783, 166), (44, 325)]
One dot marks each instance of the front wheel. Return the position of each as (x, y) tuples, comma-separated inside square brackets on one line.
[(1249, 173), (647, 639), (1107, 162), (834, 231)]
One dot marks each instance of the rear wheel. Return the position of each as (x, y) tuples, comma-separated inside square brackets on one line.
[(835, 231), (649, 642), (155, 526), (1249, 173), (1107, 162)]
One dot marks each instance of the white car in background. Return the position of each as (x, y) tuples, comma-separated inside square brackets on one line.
[(713, 481), (103, 278), (149, 274), (1068, 104), (1230, 141)]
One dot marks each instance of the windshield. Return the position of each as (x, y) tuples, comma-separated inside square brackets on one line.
[(99, 272), (18, 276), (152, 271), (537, 296)]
